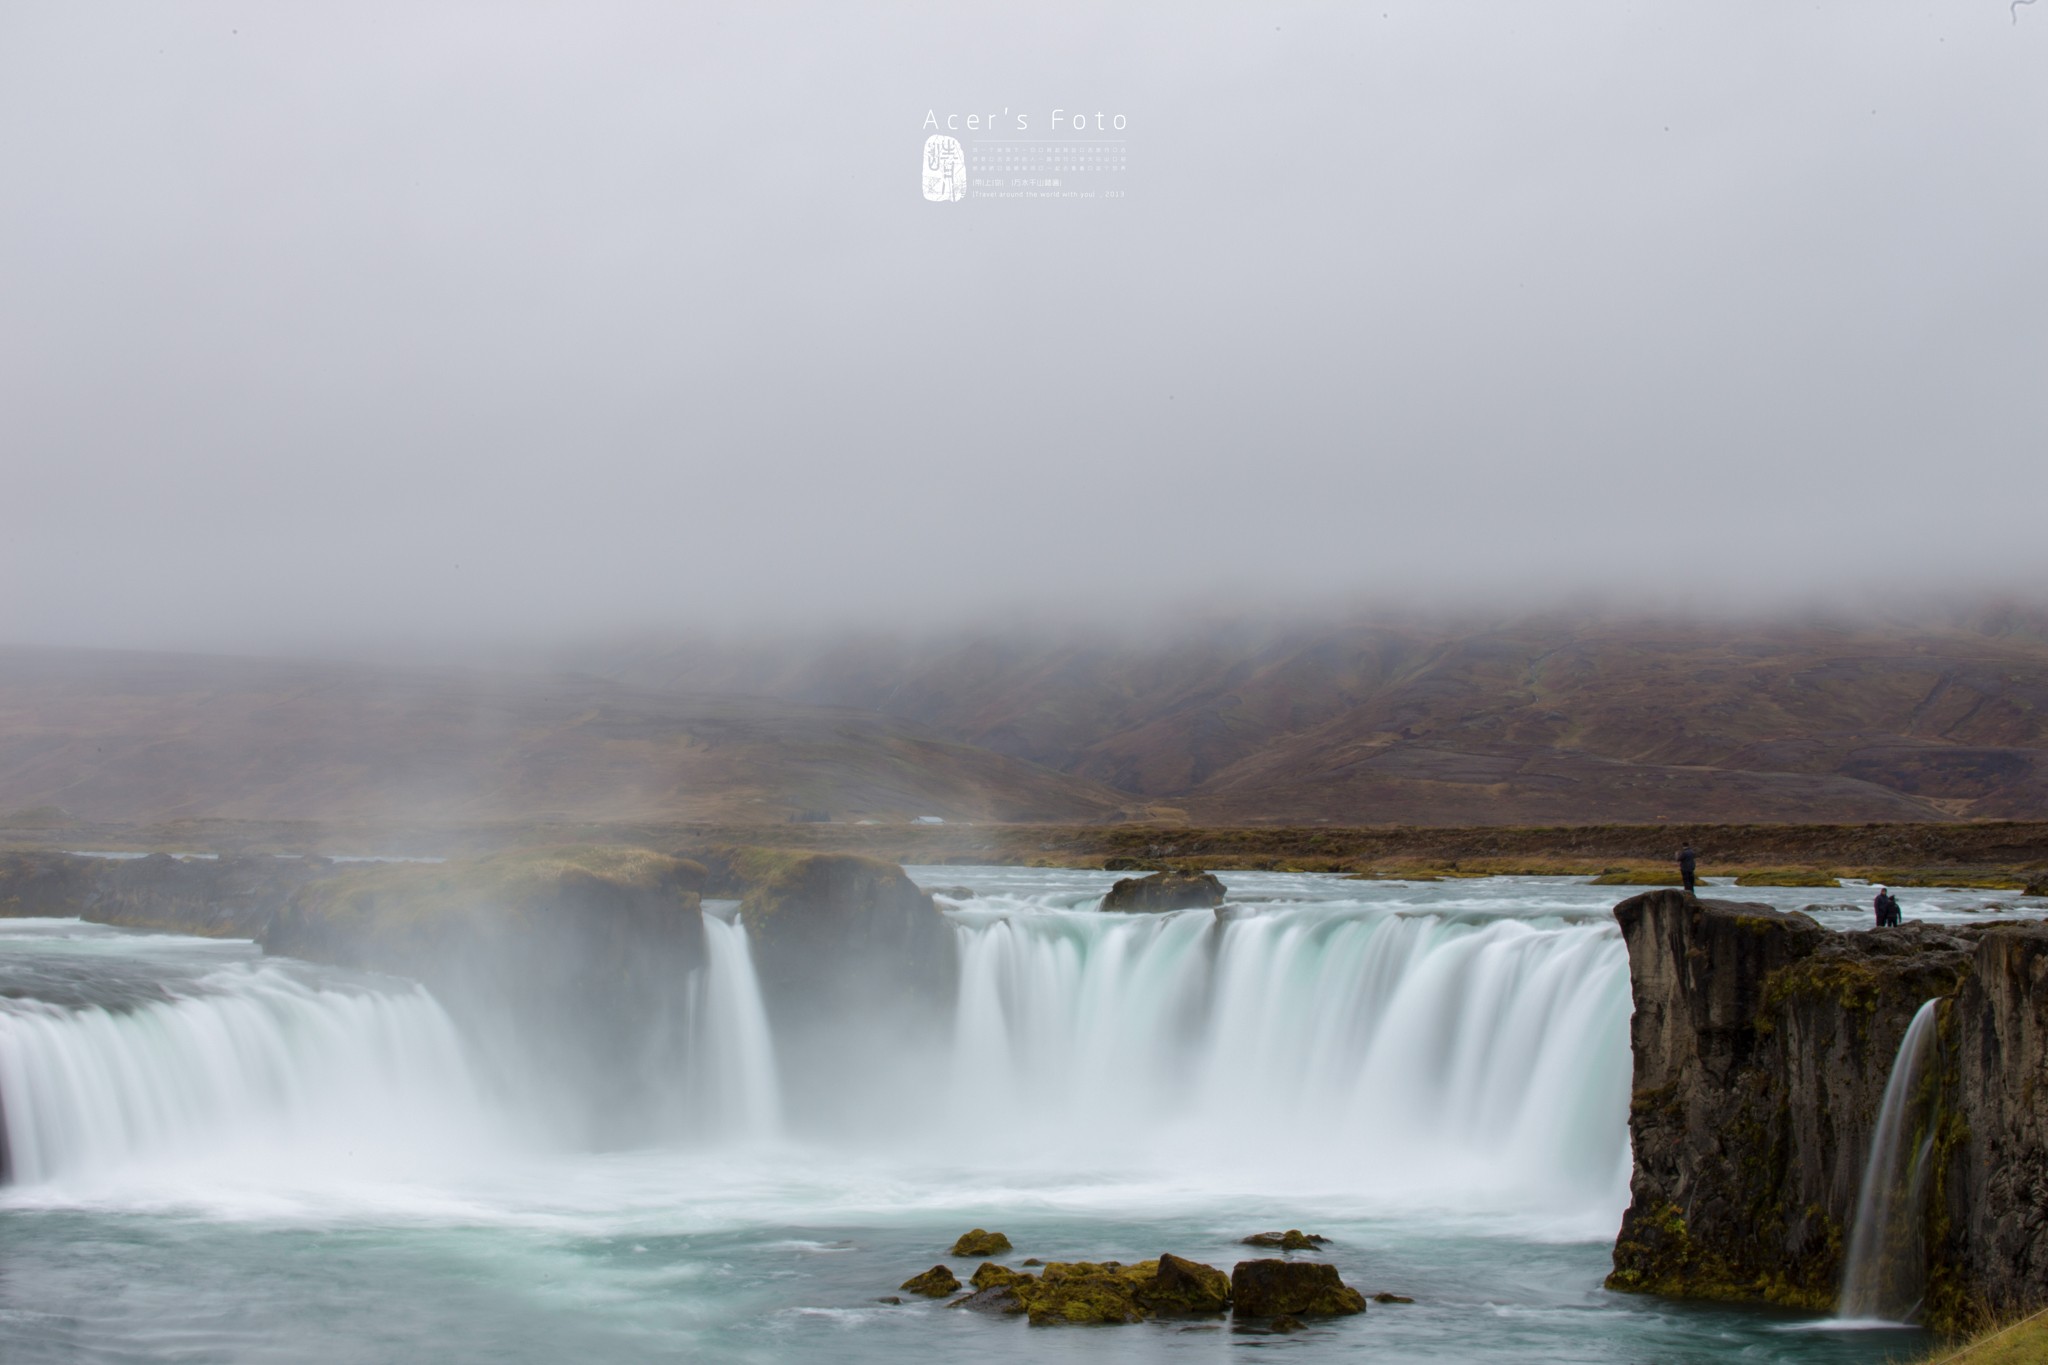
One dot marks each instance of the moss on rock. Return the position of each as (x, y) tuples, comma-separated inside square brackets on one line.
[(1270, 1288), (989, 1275), (935, 1283), (1180, 1287), (980, 1242), (1081, 1292)]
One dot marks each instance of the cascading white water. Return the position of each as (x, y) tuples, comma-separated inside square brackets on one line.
[(1428, 1059), (183, 1053), (1398, 1057), (1886, 1272), (254, 1064), (738, 1095)]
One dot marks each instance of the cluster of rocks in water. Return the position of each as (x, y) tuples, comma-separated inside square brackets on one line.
[(1278, 1292)]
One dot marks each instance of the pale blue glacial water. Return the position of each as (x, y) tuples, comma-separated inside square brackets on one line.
[(1433, 1075)]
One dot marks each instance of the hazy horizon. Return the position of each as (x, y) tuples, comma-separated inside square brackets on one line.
[(460, 328)]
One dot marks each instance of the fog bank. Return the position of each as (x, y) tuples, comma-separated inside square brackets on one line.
[(484, 324)]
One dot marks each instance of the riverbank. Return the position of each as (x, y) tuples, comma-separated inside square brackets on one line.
[(2003, 855), (2021, 1343)]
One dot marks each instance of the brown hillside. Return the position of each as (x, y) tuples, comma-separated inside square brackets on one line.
[(123, 736), (1558, 719)]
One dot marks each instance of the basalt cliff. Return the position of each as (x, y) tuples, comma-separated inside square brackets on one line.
[(1763, 1042)]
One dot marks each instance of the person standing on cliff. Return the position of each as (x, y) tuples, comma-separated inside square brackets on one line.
[(1888, 914), (1687, 860)]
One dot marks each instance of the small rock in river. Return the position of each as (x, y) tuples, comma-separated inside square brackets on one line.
[(935, 1283), (981, 1243)]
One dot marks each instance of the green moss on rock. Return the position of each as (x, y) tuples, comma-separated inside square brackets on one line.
[(1850, 983), (1084, 1292), (1294, 1239), (989, 1275), (1270, 1288), (935, 1283), (980, 1242)]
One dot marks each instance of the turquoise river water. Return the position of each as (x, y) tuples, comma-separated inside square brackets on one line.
[(220, 1157)]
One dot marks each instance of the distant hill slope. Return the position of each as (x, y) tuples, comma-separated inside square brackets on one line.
[(1544, 720), (129, 736)]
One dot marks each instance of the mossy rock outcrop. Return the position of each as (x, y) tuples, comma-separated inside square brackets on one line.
[(1110, 1292), (1082, 1292), (980, 1242), (1164, 891), (936, 1283), (1180, 1287), (989, 1275), (1271, 1288)]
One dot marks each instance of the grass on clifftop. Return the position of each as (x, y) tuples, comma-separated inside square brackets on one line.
[(2022, 1343), (517, 876)]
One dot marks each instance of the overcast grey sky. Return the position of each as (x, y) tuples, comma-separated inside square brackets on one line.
[(318, 322)]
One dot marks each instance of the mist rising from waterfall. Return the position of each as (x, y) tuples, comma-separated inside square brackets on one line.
[(249, 1065), (1398, 1056)]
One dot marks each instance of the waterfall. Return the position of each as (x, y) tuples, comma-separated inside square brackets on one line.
[(255, 1064), (1429, 1059), (738, 1094), (1395, 1057), (1886, 1272)]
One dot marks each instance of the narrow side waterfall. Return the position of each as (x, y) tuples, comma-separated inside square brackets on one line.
[(255, 1065), (738, 1094), (1428, 1059), (1886, 1272)]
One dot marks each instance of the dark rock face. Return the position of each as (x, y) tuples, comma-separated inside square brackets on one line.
[(1165, 891), (226, 897), (837, 931), (1269, 1289), (1990, 1240), (1762, 1046), (858, 971)]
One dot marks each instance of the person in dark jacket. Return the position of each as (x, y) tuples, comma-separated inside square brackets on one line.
[(1687, 860), (1888, 916)]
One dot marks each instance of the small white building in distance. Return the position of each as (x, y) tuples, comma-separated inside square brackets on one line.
[(931, 820)]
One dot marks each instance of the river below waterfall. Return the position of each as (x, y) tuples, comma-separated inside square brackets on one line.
[(222, 1157)]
